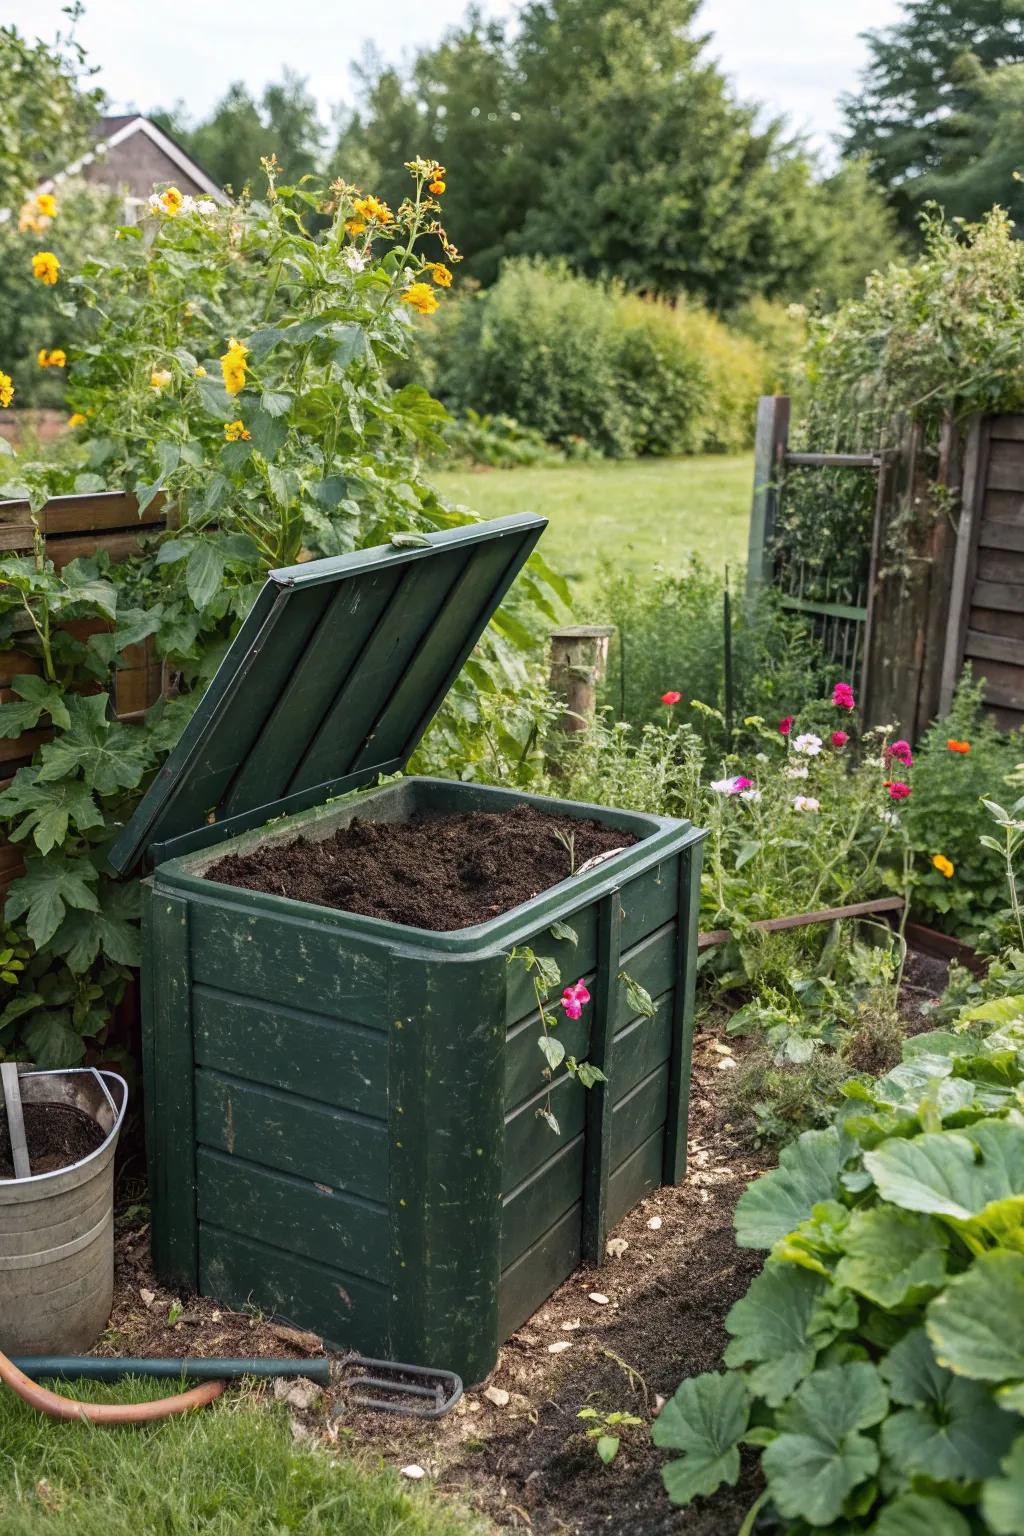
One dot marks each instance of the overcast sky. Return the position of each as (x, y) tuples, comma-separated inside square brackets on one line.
[(795, 56)]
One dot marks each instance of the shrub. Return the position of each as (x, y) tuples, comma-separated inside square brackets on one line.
[(877, 1362), (947, 819), (574, 358), (670, 636)]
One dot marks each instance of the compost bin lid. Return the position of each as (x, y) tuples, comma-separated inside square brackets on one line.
[(331, 681)]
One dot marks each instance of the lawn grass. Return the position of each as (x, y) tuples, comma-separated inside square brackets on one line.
[(632, 514), (229, 1470)]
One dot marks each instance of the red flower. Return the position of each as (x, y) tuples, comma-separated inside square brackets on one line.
[(900, 750), (897, 791), (839, 738), (842, 696), (958, 746), (671, 698), (785, 726)]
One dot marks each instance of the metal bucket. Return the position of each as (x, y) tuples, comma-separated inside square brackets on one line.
[(57, 1229)]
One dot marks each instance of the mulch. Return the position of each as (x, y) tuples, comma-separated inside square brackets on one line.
[(56, 1136)]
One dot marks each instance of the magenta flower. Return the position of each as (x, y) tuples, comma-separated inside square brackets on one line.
[(786, 725), (897, 790), (900, 750), (842, 696), (573, 999), (839, 738)]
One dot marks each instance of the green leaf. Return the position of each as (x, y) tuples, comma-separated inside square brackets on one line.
[(976, 1326), (560, 930), (48, 809), (778, 1327), (608, 1448), (284, 485), (275, 403), (204, 573), (820, 1456), (949, 1428), (919, 1514), (941, 1172), (109, 756), (706, 1419), (779, 1201), (638, 999), (36, 697), (45, 891), (268, 432), (350, 342), (1002, 1498), (552, 1050), (892, 1256), (82, 585), (52, 1042)]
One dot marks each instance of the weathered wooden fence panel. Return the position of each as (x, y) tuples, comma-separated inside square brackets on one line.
[(986, 613)]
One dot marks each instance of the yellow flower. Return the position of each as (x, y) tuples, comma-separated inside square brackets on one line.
[(172, 200), (46, 205), (159, 379), (55, 359), (354, 226), (76, 419), (232, 366), (943, 865), (200, 372), (421, 297), (372, 208), (437, 187), (6, 390), (45, 267), (440, 273), (235, 432)]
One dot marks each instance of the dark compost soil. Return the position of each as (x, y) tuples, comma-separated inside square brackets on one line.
[(57, 1136), (444, 873)]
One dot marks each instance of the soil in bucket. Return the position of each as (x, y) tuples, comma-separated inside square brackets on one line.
[(57, 1136), (439, 873)]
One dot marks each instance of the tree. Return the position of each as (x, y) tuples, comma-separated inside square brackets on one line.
[(598, 131), (45, 115), (240, 131), (940, 92)]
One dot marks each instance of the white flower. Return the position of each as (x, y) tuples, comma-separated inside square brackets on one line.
[(155, 204), (205, 205), (890, 818), (797, 771), (734, 786), (808, 744), (750, 794), (806, 803), (353, 259)]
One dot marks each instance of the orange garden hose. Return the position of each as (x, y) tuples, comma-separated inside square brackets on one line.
[(57, 1407)]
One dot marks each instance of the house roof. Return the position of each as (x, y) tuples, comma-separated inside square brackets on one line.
[(112, 131)]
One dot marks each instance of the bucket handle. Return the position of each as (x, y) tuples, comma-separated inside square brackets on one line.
[(118, 1113)]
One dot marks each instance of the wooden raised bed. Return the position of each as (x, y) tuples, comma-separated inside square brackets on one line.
[(72, 527)]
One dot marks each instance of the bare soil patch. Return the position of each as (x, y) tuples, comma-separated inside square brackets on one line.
[(57, 1135)]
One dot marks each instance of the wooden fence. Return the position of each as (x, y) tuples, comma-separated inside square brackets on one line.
[(73, 526), (902, 630)]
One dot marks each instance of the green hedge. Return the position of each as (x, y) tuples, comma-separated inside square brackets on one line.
[(580, 360)]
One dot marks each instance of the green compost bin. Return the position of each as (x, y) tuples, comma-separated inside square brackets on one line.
[(341, 1112)]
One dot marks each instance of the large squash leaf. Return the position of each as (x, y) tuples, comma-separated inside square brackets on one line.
[(821, 1456), (976, 1326), (706, 1420), (778, 1327), (949, 1428), (779, 1201)]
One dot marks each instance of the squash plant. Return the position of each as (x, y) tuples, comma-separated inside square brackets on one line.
[(236, 361), (877, 1362)]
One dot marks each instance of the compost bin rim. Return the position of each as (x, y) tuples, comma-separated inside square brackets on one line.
[(181, 801), (668, 835), (34, 1180)]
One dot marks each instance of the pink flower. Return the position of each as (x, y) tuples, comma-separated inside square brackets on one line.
[(573, 999), (897, 791), (839, 738), (901, 751), (671, 698), (786, 725), (842, 696)]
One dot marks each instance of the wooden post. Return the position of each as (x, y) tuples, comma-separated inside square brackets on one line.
[(770, 439), (579, 660), (965, 558)]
